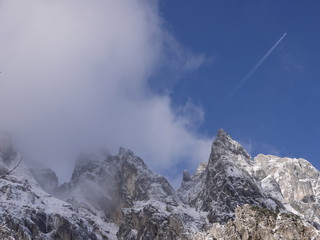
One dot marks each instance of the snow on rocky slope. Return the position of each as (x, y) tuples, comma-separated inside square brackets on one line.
[(231, 179), (294, 181), (255, 223), (31, 213), (126, 192), (225, 183), (119, 197)]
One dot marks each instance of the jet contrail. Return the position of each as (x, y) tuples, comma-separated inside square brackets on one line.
[(249, 74)]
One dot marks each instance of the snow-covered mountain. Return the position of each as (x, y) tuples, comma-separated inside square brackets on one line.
[(226, 182), (295, 182), (123, 190), (28, 212), (231, 196)]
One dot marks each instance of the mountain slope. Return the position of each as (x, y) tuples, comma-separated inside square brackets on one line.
[(298, 184), (118, 197), (256, 223), (226, 182), (125, 191), (31, 213)]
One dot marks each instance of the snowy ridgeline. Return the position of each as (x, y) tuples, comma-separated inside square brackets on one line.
[(119, 197)]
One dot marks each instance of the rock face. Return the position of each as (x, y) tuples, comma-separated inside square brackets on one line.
[(225, 183), (111, 183), (296, 181), (257, 223), (28, 212), (118, 197), (156, 220), (126, 192), (231, 178)]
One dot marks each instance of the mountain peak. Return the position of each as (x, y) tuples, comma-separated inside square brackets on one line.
[(222, 133), (119, 197), (224, 144), (125, 152)]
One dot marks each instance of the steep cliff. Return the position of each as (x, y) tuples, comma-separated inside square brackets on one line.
[(296, 181), (259, 223), (225, 183), (128, 193), (28, 212)]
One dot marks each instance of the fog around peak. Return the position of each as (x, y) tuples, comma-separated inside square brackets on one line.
[(76, 78)]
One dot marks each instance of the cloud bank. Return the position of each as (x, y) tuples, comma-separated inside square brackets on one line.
[(75, 76)]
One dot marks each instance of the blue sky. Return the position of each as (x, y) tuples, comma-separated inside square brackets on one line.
[(152, 76), (277, 110)]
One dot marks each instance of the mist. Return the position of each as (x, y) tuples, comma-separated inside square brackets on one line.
[(75, 77)]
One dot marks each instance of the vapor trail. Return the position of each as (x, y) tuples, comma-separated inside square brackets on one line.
[(249, 74)]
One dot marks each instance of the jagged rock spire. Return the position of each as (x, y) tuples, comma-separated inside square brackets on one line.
[(226, 182), (225, 145)]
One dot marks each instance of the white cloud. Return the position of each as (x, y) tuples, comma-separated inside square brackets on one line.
[(75, 77)]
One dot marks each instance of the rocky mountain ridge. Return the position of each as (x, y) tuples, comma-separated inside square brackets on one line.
[(226, 182), (31, 213), (258, 223), (119, 197)]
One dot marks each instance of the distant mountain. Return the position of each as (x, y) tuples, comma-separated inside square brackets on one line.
[(118, 197)]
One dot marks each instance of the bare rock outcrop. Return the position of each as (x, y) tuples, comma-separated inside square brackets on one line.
[(225, 183), (256, 223)]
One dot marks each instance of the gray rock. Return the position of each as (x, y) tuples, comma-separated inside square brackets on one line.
[(226, 182), (298, 184), (118, 197), (259, 223)]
